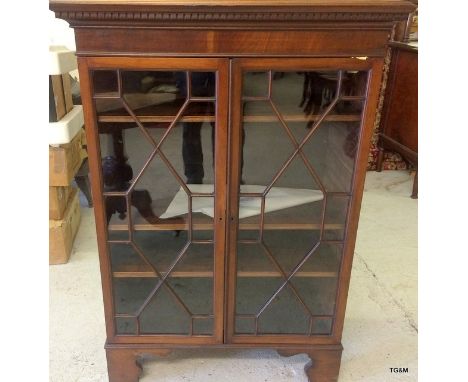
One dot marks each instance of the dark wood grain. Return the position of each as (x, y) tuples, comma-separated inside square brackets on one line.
[(400, 112), (89, 12), (227, 37), (225, 43), (123, 366)]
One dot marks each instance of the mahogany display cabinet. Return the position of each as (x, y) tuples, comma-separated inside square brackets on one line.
[(228, 145)]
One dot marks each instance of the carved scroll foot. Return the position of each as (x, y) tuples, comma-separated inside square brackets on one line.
[(123, 365), (324, 365)]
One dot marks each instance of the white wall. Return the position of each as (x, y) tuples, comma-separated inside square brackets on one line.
[(60, 33)]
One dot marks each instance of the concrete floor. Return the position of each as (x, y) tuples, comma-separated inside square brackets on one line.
[(380, 329)]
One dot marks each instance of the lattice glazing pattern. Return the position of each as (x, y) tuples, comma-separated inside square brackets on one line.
[(309, 125), (155, 132)]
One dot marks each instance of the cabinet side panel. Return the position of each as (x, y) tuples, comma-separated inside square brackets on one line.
[(400, 111)]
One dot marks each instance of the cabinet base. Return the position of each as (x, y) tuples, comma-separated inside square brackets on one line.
[(123, 361)]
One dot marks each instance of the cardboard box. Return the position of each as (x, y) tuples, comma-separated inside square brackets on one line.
[(62, 232), (65, 160), (58, 201), (67, 92), (60, 96)]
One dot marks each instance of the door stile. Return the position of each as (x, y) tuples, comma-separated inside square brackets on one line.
[(221, 159), (234, 171)]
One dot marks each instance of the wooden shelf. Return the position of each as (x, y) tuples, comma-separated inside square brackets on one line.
[(197, 112), (135, 271), (161, 113), (203, 269), (204, 223), (198, 260), (302, 118), (211, 118), (143, 271)]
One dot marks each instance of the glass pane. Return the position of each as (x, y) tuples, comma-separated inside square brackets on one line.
[(300, 138), (192, 279), (332, 153), (203, 84), (202, 326), (322, 326), (255, 84), (289, 247), (250, 227), (125, 259), (165, 315), (126, 325), (245, 325), (105, 82), (285, 315), (318, 293), (253, 261), (253, 293), (335, 217), (161, 248), (254, 133), (130, 294), (157, 132)]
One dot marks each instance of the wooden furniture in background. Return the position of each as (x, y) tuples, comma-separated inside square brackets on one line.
[(266, 103), (399, 123)]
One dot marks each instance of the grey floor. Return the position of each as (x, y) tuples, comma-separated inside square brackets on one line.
[(381, 320)]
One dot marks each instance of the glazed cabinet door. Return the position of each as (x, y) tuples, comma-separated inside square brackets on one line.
[(299, 142), (157, 137)]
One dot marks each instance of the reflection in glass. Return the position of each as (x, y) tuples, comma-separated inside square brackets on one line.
[(105, 82)]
